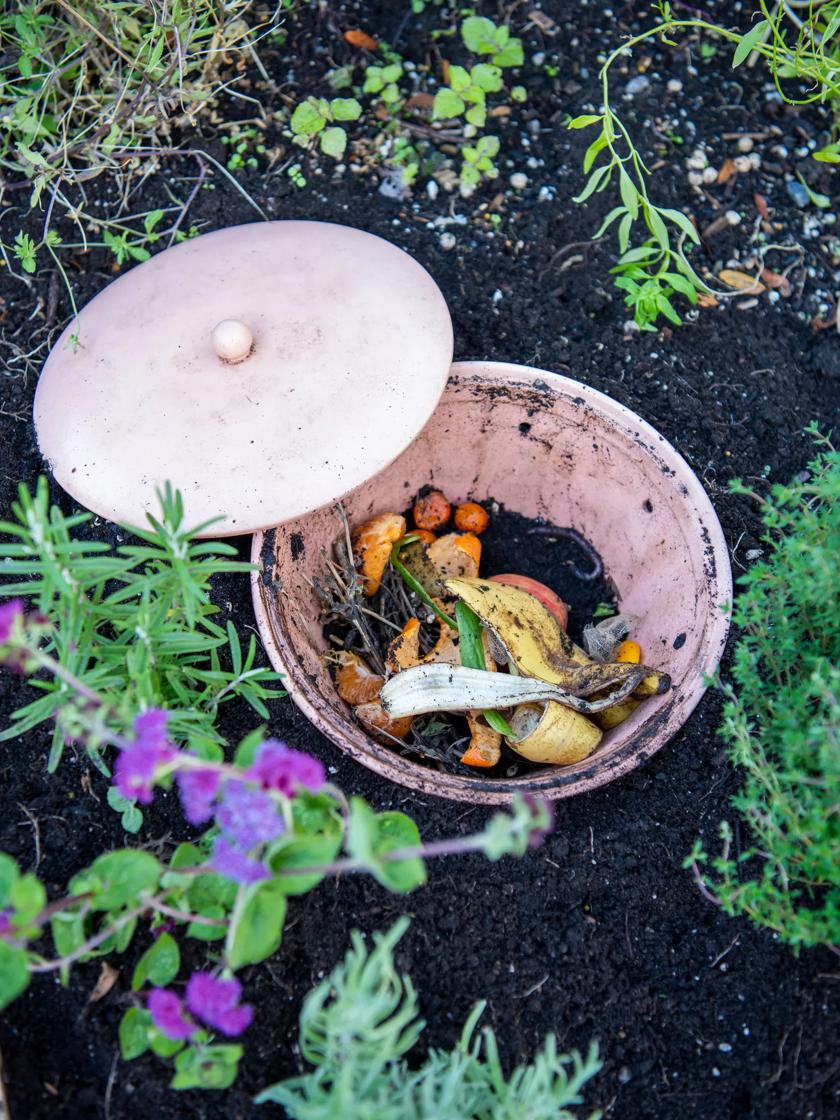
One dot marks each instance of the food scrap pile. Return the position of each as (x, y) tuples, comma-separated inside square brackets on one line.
[(460, 668)]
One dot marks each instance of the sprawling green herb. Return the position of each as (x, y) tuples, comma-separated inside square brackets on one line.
[(781, 720)]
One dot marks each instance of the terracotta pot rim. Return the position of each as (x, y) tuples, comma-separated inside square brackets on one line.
[(553, 783)]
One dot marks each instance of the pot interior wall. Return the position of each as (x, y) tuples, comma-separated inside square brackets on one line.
[(534, 443)]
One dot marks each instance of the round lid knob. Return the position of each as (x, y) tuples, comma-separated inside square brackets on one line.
[(342, 344), (232, 340)]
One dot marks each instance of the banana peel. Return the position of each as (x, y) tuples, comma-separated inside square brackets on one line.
[(537, 647), (552, 733)]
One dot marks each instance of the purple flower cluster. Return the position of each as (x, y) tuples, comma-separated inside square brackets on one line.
[(278, 767), (213, 1002), (135, 768)]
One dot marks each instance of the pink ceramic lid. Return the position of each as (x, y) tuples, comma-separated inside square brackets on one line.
[(264, 370)]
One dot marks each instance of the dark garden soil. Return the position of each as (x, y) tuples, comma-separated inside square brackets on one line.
[(599, 934)]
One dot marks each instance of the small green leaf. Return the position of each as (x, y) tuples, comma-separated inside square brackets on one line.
[(585, 120), (117, 878), (830, 153), (595, 182), (159, 964), (487, 77), (479, 35), (134, 1033), (370, 836), (206, 1067), (162, 1045), (303, 851), (9, 875), (307, 119), (257, 924), (629, 193), (511, 55), (334, 142), (14, 973), (346, 109), (447, 104), (749, 42)]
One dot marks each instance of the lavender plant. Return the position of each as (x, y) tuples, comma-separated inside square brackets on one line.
[(359, 1023), (274, 827)]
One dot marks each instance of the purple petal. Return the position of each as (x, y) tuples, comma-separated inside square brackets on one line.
[(9, 613), (168, 1015), (279, 767), (233, 864), (248, 816), (134, 773), (151, 724), (215, 1002), (198, 789)]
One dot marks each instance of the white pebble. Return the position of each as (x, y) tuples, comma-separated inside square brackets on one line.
[(695, 178), (675, 86), (733, 218), (743, 164), (519, 180), (432, 189), (447, 241), (755, 161), (724, 1048), (710, 175), (753, 554), (696, 162), (745, 144), (497, 296), (539, 58), (546, 194)]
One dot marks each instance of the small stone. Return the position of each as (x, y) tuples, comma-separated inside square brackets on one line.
[(725, 1048), (742, 164), (710, 175), (733, 218), (534, 127), (432, 189), (631, 327), (447, 241), (745, 144), (695, 178), (519, 180), (498, 296), (696, 162), (624, 1075), (755, 161), (674, 86), (797, 193), (546, 194), (637, 85), (753, 554), (539, 58)]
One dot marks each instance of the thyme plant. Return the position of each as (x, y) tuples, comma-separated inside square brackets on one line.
[(781, 720)]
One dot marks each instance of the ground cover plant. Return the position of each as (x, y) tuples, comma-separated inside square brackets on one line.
[(783, 738), (599, 933)]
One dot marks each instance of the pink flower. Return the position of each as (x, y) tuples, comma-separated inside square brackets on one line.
[(137, 762), (281, 768), (9, 614), (229, 861), (198, 789), (215, 1002), (168, 1015)]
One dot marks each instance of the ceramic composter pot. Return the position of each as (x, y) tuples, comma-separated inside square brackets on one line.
[(269, 370)]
